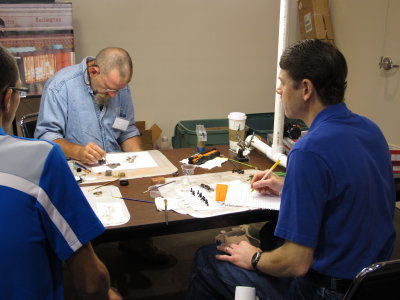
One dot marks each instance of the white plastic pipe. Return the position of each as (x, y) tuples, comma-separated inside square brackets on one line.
[(267, 150), (276, 151)]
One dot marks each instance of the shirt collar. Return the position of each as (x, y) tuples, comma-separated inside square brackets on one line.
[(2, 132), (329, 112), (85, 73)]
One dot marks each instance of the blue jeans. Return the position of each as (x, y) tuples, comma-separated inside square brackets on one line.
[(214, 279)]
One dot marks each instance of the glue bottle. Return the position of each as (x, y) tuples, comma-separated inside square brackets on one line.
[(201, 138)]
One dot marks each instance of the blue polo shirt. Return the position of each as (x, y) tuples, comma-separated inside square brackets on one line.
[(44, 218), (339, 193)]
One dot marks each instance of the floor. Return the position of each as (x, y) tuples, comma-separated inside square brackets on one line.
[(141, 282)]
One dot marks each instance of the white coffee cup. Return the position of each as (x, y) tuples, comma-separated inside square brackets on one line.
[(237, 124)]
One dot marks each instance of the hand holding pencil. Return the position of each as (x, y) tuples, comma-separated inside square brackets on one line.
[(276, 184)]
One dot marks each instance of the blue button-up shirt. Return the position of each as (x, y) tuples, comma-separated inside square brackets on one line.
[(68, 110)]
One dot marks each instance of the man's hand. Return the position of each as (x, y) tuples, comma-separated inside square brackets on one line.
[(272, 185), (238, 254), (91, 154)]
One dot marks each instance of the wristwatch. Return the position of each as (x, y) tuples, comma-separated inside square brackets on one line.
[(254, 260)]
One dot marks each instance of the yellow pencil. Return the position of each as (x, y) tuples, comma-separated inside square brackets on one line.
[(269, 171), (247, 165)]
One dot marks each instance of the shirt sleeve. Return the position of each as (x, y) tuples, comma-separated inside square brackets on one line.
[(304, 195), (51, 121), (68, 218)]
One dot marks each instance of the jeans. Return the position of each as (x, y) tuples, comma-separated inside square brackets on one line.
[(214, 279)]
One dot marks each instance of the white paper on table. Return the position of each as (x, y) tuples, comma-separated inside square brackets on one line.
[(142, 159), (240, 194), (183, 201), (210, 164), (105, 202), (172, 204)]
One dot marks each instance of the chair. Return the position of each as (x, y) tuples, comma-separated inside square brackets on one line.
[(28, 125), (377, 281)]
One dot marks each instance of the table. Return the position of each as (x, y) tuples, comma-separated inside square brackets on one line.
[(146, 221)]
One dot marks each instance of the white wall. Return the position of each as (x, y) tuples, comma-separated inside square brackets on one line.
[(365, 31), (201, 59), (193, 59)]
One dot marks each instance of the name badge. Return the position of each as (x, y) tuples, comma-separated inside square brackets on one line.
[(120, 124)]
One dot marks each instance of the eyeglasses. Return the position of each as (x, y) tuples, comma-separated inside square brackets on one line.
[(106, 90), (22, 91)]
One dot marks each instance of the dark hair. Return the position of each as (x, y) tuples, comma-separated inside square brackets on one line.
[(112, 58), (320, 62), (9, 70)]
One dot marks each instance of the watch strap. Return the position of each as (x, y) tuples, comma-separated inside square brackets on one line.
[(255, 259)]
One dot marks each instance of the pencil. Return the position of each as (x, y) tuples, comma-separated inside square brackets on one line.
[(132, 199), (247, 165), (269, 171), (156, 187)]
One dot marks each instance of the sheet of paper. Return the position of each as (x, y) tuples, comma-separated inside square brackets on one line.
[(240, 194), (184, 198), (104, 201), (210, 164), (127, 161)]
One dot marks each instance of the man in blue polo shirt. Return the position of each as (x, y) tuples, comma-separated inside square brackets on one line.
[(337, 200), (44, 217)]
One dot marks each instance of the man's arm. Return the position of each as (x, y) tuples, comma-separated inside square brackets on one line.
[(132, 144), (289, 260), (88, 154), (90, 276)]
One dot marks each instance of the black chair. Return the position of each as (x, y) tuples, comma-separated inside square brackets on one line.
[(377, 281), (28, 125)]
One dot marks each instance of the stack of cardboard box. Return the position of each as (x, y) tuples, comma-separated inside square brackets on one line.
[(148, 136), (395, 156), (315, 20)]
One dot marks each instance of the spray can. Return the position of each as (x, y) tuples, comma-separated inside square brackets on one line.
[(201, 138)]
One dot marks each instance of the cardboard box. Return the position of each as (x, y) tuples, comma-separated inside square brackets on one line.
[(315, 20), (395, 157), (148, 136)]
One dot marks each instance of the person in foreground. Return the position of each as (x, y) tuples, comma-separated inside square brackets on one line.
[(87, 109), (337, 200), (45, 218)]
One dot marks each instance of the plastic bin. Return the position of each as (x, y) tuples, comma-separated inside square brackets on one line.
[(217, 129), (185, 132), (263, 123)]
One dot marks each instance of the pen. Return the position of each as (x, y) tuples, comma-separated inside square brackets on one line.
[(132, 199), (269, 171), (166, 211), (78, 165), (156, 187)]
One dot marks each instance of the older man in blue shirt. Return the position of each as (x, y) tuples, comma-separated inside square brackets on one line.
[(87, 108)]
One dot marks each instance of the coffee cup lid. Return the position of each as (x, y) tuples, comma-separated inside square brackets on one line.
[(237, 116)]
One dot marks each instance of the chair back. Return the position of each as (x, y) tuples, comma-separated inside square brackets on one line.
[(28, 125), (377, 281)]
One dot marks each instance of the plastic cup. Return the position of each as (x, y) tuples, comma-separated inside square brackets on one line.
[(237, 124), (188, 169), (245, 293)]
